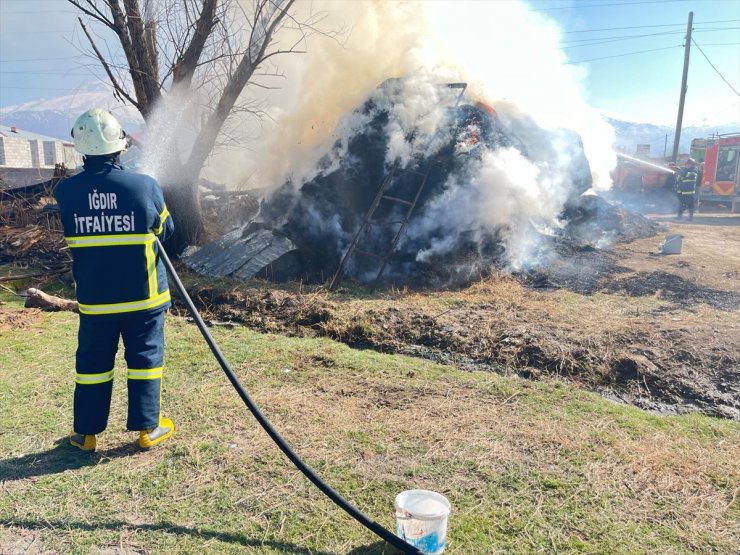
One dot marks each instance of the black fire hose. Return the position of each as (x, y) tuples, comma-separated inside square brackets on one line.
[(371, 525)]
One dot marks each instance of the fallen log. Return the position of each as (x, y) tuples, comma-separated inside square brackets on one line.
[(35, 298)]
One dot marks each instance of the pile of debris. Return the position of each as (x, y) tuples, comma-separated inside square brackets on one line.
[(32, 251), (439, 194), (594, 221), (31, 238), (224, 209)]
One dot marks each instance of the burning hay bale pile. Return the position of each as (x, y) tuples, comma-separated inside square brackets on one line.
[(420, 188)]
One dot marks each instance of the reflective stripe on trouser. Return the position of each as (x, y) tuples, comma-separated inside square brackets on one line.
[(143, 340)]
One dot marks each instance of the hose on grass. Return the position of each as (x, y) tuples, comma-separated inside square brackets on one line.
[(355, 513)]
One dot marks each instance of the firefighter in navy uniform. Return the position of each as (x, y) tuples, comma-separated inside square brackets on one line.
[(110, 218), (687, 182)]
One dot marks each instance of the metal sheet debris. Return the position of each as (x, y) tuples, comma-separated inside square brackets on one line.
[(240, 255)]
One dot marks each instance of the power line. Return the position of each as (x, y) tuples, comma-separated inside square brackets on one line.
[(727, 108), (47, 72), (38, 59), (36, 12), (714, 68), (696, 124), (49, 32), (648, 26), (625, 54), (604, 40), (579, 6), (38, 88), (662, 33), (714, 29)]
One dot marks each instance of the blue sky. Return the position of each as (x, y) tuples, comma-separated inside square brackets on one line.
[(645, 86), (637, 75)]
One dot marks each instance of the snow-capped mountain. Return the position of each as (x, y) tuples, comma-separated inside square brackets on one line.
[(54, 117), (630, 134)]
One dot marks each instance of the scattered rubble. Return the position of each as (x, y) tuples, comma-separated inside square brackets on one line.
[(31, 238)]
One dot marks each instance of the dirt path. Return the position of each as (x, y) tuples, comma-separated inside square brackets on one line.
[(710, 258)]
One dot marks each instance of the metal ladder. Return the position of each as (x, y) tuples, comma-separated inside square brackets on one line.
[(367, 221)]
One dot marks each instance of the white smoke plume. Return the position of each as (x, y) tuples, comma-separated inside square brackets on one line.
[(509, 56), (505, 52), (511, 53), (502, 192)]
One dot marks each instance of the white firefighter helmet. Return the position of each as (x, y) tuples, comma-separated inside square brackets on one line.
[(96, 132)]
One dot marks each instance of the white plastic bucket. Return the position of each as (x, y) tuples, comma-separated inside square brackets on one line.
[(672, 244), (421, 519)]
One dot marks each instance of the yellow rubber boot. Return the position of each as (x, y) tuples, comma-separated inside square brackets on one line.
[(149, 438), (83, 442)]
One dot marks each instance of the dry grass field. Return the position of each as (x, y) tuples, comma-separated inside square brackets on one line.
[(515, 396)]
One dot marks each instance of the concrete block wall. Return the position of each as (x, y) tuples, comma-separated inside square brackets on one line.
[(16, 152), (24, 153)]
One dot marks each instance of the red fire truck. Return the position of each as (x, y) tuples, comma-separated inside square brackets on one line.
[(635, 175), (721, 178)]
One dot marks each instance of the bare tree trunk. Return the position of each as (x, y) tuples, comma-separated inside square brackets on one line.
[(183, 202)]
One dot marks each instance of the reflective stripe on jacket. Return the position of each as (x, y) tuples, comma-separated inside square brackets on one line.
[(686, 182), (111, 218)]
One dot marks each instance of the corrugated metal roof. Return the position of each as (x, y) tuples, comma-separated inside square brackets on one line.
[(6, 131)]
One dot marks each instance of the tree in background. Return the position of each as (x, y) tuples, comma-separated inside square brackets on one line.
[(215, 48)]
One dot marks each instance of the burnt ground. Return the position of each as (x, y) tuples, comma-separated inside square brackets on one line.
[(657, 331), (15, 320)]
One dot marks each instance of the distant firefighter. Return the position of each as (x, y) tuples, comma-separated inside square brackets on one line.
[(687, 183)]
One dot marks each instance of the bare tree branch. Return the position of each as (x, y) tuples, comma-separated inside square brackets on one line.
[(185, 66), (119, 22), (150, 37), (95, 13), (269, 21), (118, 88)]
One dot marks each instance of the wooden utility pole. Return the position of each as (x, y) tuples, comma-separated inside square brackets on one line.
[(679, 121)]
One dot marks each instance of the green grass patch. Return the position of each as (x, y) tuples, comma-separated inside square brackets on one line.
[(528, 466)]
